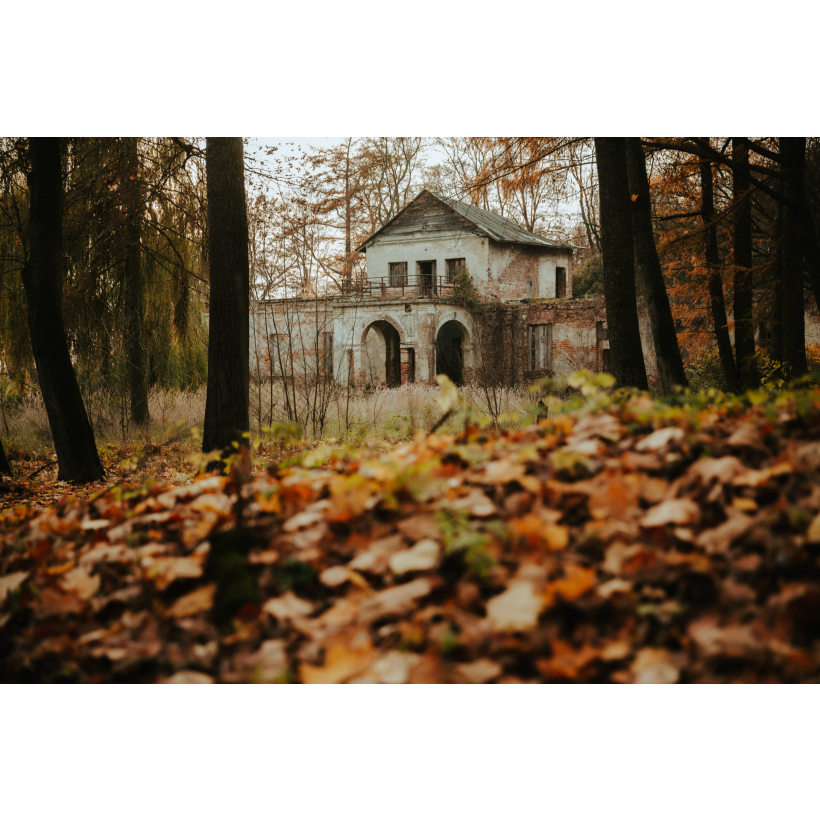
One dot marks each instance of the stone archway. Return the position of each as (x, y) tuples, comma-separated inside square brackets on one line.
[(451, 341), (381, 354)]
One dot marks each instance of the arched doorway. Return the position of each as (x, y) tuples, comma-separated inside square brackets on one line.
[(381, 354), (450, 351)]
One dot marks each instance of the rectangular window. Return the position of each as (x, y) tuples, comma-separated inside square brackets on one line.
[(327, 354), (560, 283), (455, 267), (602, 332), (279, 351), (540, 347), (398, 274)]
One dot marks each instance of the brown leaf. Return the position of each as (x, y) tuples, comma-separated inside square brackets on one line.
[(481, 671), (200, 600), (659, 439), (732, 641), (421, 557), (10, 583), (653, 665), (347, 655), (577, 581), (417, 528), (188, 676), (78, 582), (566, 662), (164, 571), (288, 607), (516, 609), (502, 471), (395, 601), (719, 539), (680, 511)]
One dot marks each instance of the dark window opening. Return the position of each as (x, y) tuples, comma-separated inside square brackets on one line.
[(427, 277), (606, 361), (601, 332), (540, 347), (409, 366), (560, 283), (455, 267), (398, 274)]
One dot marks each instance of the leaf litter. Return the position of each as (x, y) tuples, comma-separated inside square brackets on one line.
[(644, 544)]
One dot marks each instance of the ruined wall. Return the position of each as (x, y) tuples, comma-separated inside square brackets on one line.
[(523, 272)]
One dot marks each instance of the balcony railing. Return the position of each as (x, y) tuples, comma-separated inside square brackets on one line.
[(405, 287)]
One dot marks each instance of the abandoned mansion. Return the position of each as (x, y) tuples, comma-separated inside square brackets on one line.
[(451, 288)]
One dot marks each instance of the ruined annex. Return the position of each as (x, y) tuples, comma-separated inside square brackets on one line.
[(411, 319)]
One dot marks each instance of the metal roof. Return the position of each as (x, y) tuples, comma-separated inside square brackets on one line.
[(499, 228)]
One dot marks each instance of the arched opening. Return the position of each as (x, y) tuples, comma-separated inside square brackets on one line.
[(450, 351), (381, 359)]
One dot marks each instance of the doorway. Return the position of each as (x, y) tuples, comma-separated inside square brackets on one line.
[(450, 352), (427, 277)]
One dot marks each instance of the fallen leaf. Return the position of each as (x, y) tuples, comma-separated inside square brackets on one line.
[(395, 601), (200, 600), (78, 582), (10, 583), (516, 609), (421, 557), (653, 665), (188, 676), (659, 439), (566, 662), (288, 607), (680, 511), (347, 655), (481, 671), (577, 581)]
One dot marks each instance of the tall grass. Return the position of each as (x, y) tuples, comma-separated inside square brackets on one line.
[(351, 416)]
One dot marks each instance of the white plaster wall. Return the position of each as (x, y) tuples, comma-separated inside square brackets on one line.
[(475, 249)]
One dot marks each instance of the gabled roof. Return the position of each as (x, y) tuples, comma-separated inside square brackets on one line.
[(487, 223)]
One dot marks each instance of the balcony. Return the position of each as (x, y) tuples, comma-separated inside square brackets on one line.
[(419, 286)]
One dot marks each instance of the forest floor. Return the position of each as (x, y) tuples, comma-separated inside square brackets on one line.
[(633, 542)]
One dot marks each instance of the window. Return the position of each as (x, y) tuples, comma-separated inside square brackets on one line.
[(327, 354), (455, 267), (398, 274), (540, 347), (279, 352), (560, 283), (601, 332)]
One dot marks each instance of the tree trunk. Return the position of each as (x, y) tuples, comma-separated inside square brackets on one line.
[(5, 467), (742, 243), (793, 157), (619, 263), (137, 382), (724, 342), (650, 275), (43, 282), (226, 399)]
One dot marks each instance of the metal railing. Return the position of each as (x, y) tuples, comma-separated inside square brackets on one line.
[(411, 287)]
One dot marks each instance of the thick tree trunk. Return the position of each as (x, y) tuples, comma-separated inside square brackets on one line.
[(137, 381), (5, 467), (619, 263), (43, 281), (742, 243), (650, 275), (724, 342), (226, 400), (776, 341), (793, 157)]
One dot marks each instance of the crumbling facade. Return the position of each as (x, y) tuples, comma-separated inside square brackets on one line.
[(412, 319)]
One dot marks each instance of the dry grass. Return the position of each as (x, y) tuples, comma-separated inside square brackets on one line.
[(389, 414)]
